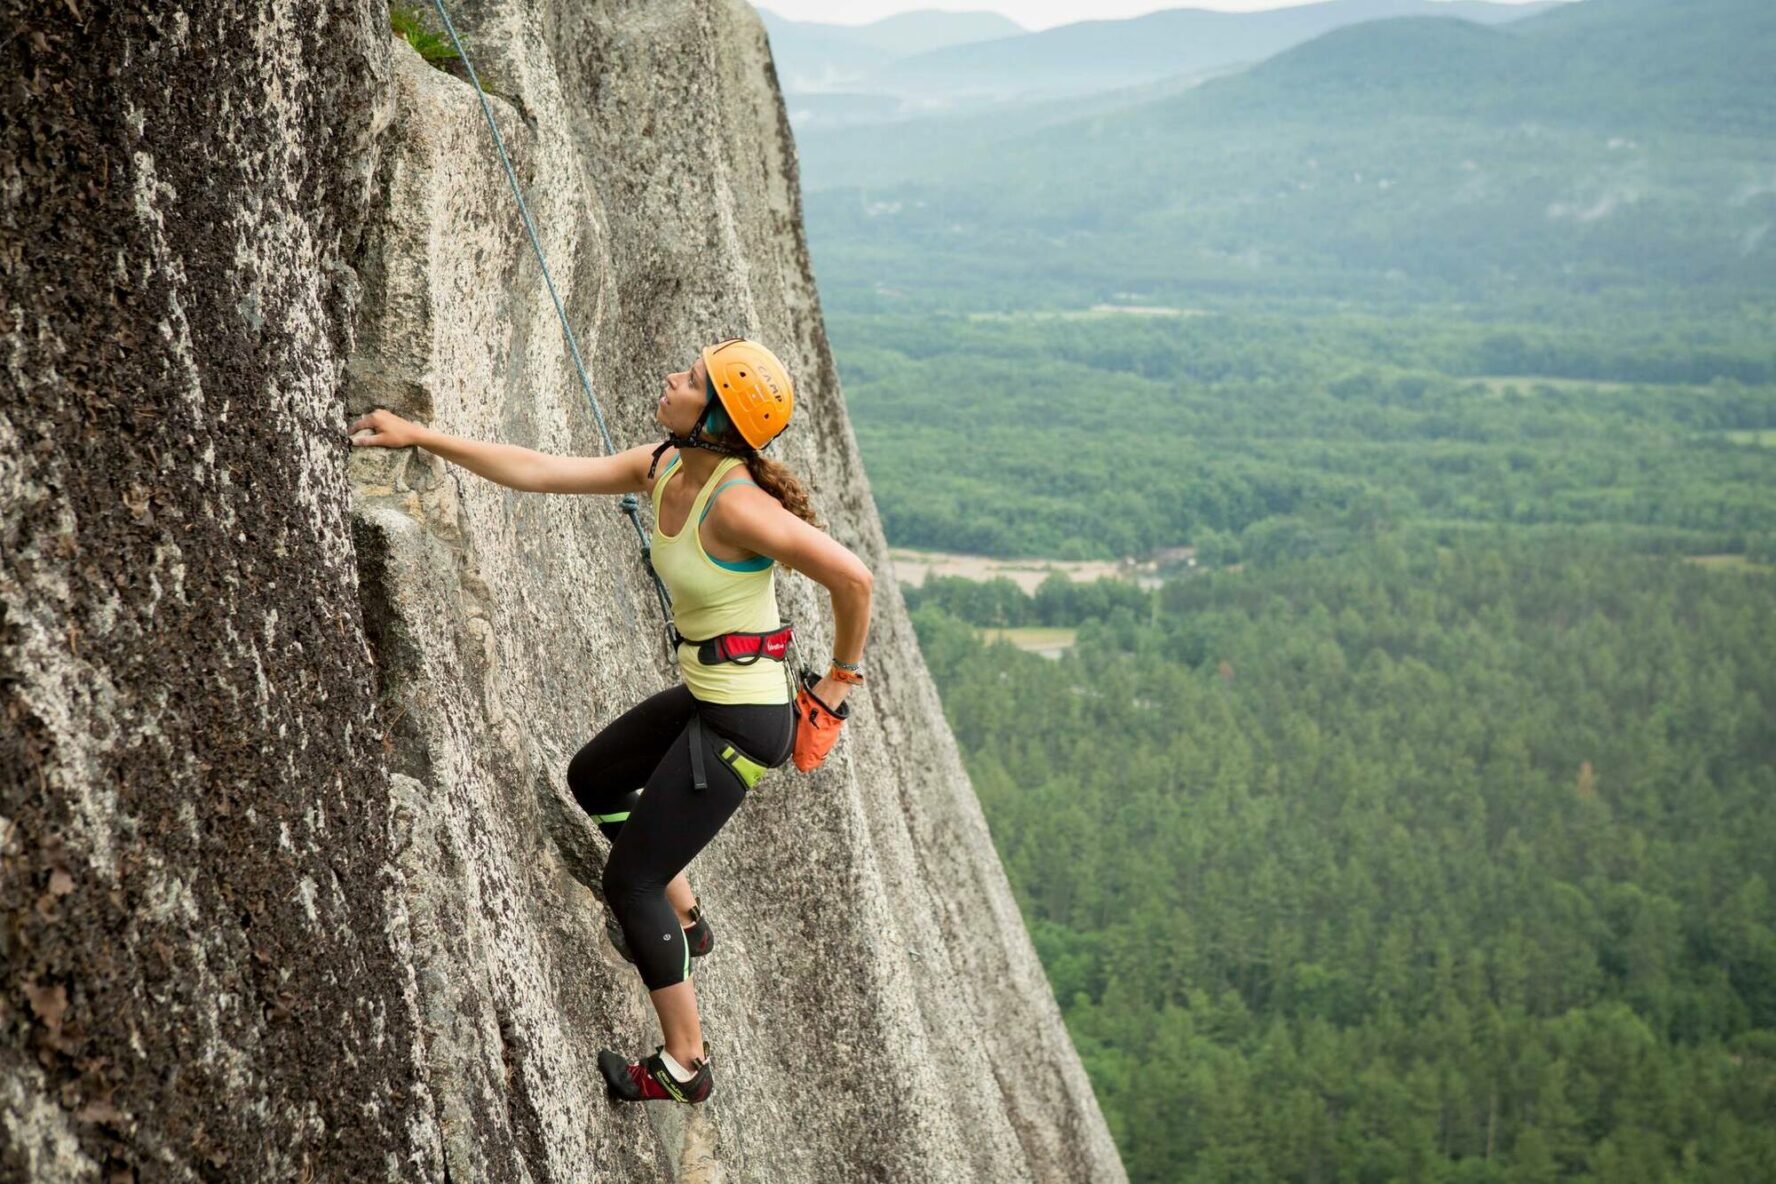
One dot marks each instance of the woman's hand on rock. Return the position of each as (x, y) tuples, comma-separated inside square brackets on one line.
[(385, 430)]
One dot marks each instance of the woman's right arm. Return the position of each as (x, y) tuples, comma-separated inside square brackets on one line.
[(508, 464)]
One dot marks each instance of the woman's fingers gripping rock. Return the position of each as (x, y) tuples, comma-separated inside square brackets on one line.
[(382, 429)]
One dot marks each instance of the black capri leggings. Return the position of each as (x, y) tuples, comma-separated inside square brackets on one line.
[(635, 779)]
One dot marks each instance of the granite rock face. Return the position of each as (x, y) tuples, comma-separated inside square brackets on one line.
[(291, 883)]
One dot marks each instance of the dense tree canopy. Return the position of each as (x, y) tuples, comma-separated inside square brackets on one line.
[(1404, 864), (1264, 436), (1431, 834)]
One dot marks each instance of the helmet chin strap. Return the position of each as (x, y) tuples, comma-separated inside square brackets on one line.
[(695, 440)]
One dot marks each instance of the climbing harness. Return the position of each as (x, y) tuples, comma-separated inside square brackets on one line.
[(629, 504), (748, 770), (759, 401), (742, 649)]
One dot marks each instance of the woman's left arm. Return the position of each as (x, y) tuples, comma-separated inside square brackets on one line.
[(749, 517)]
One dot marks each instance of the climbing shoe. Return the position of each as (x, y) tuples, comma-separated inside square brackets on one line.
[(651, 1081), (698, 934)]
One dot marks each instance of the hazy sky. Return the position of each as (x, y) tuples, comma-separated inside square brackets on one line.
[(1032, 14)]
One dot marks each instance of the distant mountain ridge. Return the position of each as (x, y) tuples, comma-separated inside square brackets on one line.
[(909, 33), (1626, 63), (929, 61), (1609, 143), (815, 57), (1102, 55)]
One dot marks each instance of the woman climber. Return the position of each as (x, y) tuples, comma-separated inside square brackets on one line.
[(664, 777)]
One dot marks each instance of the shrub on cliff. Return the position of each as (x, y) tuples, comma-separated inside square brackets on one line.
[(409, 22)]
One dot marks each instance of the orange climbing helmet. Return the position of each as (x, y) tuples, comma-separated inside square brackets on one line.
[(753, 387), (748, 390)]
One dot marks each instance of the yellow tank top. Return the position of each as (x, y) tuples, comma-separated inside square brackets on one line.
[(713, 596)]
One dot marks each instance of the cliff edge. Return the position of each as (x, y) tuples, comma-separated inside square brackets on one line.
[(291, 882)]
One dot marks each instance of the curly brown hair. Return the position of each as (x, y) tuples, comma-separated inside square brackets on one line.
[(775, 478)]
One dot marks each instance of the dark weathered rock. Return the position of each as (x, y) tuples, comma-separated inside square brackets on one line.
[(291, 885), (200, 976)]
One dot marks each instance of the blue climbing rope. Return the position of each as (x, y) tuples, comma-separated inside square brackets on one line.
[(630, 504)]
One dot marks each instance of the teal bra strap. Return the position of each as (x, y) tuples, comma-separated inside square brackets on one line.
[(710, 504), (757, 562)]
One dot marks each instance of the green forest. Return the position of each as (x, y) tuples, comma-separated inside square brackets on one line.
[(1409, 863), (1257, 435), (1422, 825)]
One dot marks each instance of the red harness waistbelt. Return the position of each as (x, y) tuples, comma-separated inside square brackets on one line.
[(741, 648)]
